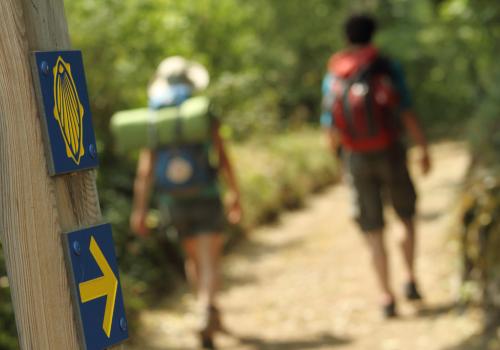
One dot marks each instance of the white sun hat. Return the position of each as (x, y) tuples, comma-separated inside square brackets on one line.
[(177, 69)]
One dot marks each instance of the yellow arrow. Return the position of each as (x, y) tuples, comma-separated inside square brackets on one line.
[(107, 285)]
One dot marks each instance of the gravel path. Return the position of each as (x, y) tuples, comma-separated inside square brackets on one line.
[(305, 283)]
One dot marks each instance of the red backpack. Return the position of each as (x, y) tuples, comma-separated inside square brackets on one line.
[(365, 100)]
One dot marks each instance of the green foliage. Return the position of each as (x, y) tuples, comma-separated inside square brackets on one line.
[(8, 334), (484, 131), (480, 239), (278, 172), (267, 58)]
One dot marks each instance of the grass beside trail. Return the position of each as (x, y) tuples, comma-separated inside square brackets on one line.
[(278, 172)]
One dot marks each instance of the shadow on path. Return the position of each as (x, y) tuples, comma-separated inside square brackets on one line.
[(324, 339), (257, 251), (431, 311)]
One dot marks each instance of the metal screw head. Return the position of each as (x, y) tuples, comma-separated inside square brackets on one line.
[(123, 324), (76, 248), (44, 66), (92, 151)]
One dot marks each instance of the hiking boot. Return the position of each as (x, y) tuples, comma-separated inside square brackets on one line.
[(411, 292), (207, 341), (211, 324), (389, 310)]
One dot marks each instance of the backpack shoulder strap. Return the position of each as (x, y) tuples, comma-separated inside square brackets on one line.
[(382, 65), (365, 71)]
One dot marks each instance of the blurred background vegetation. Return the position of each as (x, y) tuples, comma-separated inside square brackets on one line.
[(267, 59)]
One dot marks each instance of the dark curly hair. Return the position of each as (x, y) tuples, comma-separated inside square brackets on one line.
[(360, 28)]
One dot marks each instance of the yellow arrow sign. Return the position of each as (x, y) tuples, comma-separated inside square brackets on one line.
[(105, 286)]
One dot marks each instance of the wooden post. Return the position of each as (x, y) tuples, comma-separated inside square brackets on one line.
[(34, 208)]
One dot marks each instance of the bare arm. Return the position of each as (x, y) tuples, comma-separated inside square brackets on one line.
[(413, 128), (333, 137), (142, 191), (234, 213)]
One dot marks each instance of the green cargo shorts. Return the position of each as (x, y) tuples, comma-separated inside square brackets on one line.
[(192, 217), (377, 176)]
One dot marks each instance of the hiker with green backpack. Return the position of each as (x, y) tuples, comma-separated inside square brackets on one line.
[(367, 106), (182, 154)]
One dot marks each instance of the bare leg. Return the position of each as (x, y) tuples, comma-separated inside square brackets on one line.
[(375, 240), (408, 246), (209, 249), (203, 269), (408, 249), (191, 263)]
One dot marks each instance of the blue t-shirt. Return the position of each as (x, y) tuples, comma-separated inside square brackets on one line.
[(398, 77)]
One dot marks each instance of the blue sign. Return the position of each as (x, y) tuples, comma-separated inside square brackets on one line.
[(67, 120), (96, 287)]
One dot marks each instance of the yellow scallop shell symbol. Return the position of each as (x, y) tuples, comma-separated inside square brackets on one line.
[(68, 110)]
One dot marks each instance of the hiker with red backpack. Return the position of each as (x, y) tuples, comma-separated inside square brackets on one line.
[(182, 154), (366, 108)]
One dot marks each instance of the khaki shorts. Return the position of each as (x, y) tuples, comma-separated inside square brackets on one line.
[(377, 176)]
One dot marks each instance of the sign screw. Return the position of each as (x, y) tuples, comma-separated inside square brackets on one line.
[(76, 248), (45, 67), (123, 324), (92, 151)]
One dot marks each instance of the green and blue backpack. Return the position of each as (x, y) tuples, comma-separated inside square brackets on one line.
[(181, 137)]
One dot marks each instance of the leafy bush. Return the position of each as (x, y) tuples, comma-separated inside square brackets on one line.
[(278, 172), (480, 240), (8, 334)]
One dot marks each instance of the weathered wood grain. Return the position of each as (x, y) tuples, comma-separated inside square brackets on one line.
[(34, 208)]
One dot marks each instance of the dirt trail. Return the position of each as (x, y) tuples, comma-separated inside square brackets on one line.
[(305, 283)]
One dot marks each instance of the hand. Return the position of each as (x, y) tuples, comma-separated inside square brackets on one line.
[(338, 157), (425, 163), (138, 223), (234, 212)]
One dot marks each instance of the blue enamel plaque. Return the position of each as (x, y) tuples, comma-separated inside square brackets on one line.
[(67, 120), (96, 287)]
